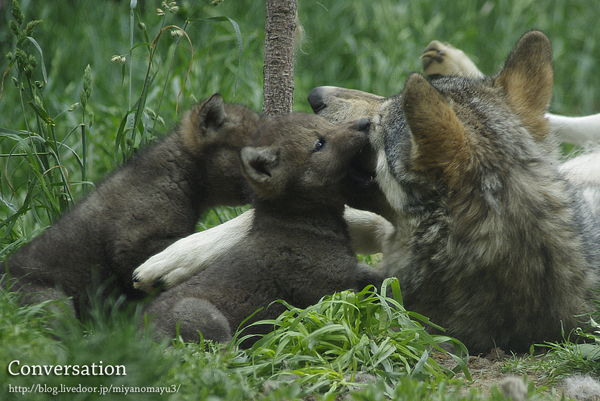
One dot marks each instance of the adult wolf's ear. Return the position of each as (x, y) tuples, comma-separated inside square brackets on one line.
[(527, 79), (440, 144), (258, 167)]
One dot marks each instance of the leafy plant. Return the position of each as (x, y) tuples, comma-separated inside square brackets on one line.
[(344, 339), (49, 187), (577, 356)]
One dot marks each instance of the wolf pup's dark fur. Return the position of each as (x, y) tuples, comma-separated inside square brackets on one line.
[(155, 199), (492, 241), (298, 247)]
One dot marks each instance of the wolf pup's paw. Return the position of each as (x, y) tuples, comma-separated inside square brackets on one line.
[(444, 59)]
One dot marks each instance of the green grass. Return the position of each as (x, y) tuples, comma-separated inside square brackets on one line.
[(326, 345), (359, 345), (322, 348), (64, 127)]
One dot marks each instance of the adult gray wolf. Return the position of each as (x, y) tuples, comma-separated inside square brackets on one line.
[(298, 246), (493, 242), (489, 237), (154, 200)]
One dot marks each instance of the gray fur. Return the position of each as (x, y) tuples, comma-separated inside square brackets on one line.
[(514, 388), (498, 246), (298, 247), (155, 199), (582, 388)]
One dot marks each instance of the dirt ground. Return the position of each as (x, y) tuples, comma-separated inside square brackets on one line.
[(489, 370)]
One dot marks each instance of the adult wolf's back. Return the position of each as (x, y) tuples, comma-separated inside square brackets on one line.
[(492, 242)]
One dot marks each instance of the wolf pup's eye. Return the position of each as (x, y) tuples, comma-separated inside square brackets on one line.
[(319, 145)]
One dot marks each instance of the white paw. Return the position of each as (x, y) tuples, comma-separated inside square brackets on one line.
[(152, 273), (191, 254), (444, 59)]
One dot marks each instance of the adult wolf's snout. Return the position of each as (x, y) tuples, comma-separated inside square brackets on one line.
[(339, 105), (316, 99)]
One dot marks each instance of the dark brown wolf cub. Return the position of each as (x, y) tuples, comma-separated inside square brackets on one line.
[(298, 247), (154, 200)]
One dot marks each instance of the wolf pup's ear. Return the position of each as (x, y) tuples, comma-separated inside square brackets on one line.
[(441, 147), (211, 113), (200, 121), (362, 124), (527, 79), (258, 166)]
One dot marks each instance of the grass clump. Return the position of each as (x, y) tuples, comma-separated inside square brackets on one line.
[(344, 343), (582, 356), (46, 335)]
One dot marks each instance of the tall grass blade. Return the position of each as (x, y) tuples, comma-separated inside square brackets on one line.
[(238, 35), (42, 62)]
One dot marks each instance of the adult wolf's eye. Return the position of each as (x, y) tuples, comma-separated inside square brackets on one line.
[(319, 145)]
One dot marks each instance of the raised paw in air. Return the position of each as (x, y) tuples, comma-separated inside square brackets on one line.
[(444, 59)]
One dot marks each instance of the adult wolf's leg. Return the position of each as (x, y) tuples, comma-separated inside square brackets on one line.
[(191, 254)]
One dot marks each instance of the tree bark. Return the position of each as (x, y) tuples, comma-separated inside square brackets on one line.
[(278, 68)]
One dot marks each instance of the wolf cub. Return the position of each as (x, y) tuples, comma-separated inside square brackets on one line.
[(298, 247), (154, 200)]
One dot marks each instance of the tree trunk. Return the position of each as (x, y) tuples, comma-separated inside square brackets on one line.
[(278, 68)]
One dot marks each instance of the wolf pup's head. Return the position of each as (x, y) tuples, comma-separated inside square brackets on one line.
[(214, 132), (441, 133), (309, 160)]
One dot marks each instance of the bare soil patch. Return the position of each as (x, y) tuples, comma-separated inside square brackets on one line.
[(491, 369)]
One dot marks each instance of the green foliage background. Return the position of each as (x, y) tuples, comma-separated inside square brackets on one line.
[(45, 165)]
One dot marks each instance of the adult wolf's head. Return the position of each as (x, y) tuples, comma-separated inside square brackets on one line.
[(439, 133)]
